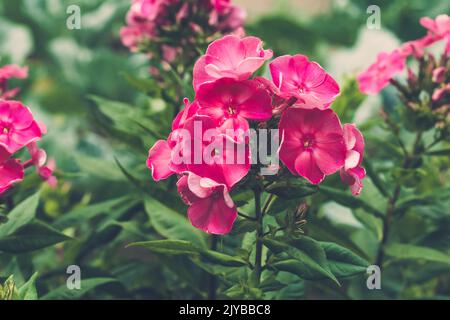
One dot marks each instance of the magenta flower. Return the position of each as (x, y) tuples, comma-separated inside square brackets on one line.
[(230, 57), (200, 147), (439, 27), (211, 208), (188, 112), (230, 103), (45, 167), (352, 173), (296, 76), (222, 159), (378, 75), (11, 171), (17, 126), (313, 144)]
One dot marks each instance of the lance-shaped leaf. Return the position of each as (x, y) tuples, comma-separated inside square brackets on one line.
[(22, 214), (64, 293), (305, 258), (33, 236), (172, 225), (350, 201), (343, 262)]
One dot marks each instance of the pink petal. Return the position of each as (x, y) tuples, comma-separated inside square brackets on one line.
[(306, 166), (11, 172), (352, 159), (212, 215), (159, 158)]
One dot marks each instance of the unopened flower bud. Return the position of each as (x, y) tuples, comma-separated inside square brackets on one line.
[(438, 75)]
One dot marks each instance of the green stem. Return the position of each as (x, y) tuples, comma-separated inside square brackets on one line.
[(212, 285), (393, 200), (259, 235)]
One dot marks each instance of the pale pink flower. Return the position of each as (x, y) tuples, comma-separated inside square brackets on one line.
[(17, 126), (439, 27), (230, 57), (352, 173), (8, 72), (211, 208), (417, 47), (296, 76), (312, 143), (378, 75)]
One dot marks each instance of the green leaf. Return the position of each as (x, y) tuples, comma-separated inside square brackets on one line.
[(28, 290), (64, 293), (306, 258), (22, 214), (348, 200), (343, 262), (168, 246), (278, 205), (292, 189), (148, 86), (176, 247), (410, 252), (33, 236), (98, 168), (443, 153), (222, 259), (84, 214), (172, 225)]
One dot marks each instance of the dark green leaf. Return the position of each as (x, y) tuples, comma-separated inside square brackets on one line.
[(348, 200), (64, 293), (343, 262), (22, 214), (33, 236), (172, 225), (306, 259), (28, 290)]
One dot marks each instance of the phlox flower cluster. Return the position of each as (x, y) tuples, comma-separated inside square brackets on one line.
[(229, 97)]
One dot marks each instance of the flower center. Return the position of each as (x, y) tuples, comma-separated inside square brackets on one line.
[(231, 110), (308, 142), (5, 130), (302, 88)]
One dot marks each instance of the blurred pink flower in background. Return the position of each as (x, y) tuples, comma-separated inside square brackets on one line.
[(8, 72), (439, 27), (378, 75)]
